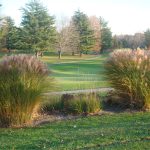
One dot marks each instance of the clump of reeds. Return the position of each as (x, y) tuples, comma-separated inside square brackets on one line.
[(22, 80), (129, 74)]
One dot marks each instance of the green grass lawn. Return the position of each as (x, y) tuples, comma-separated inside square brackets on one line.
[(54, 59), (115, 132), (74, 72), (118, 131)]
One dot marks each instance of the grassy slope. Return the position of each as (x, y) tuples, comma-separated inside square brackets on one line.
[(79, 74), (120, 131)]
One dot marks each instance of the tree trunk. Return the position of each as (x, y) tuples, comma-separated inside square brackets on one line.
[(59, 54), (9, 50), (36, 54), (80, 54), (41, 54), (101, 51), (72, 53)]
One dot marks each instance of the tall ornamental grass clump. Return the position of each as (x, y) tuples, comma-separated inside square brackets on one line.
[(22, 80), (129, 74), (80, 103), (84, 103)]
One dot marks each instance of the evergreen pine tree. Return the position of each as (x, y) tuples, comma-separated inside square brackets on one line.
[(38, 27), (86, 34)]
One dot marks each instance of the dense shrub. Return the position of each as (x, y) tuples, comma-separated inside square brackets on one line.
[(51, 104), (73, 103), (129, 74), (80, 103), (76, 103), (22, 80)]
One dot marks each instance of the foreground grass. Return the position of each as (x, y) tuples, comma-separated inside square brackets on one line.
[(74, 72), (119, 131)]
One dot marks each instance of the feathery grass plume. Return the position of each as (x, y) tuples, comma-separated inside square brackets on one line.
[(129, 74), (23, 78)]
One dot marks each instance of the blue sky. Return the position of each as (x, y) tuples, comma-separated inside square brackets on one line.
[(123, 16)]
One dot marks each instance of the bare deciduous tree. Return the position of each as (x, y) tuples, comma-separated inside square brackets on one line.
[(95, 25), (67, 37), (73, 39), (62, 35)]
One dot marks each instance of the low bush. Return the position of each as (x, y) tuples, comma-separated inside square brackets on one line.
[(51, 104), (80, 103), (73, 104), (22, 80), (129, 74)]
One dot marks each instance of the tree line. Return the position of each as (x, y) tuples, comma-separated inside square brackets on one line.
[(38, 32), (80, 34), (138, 40)]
